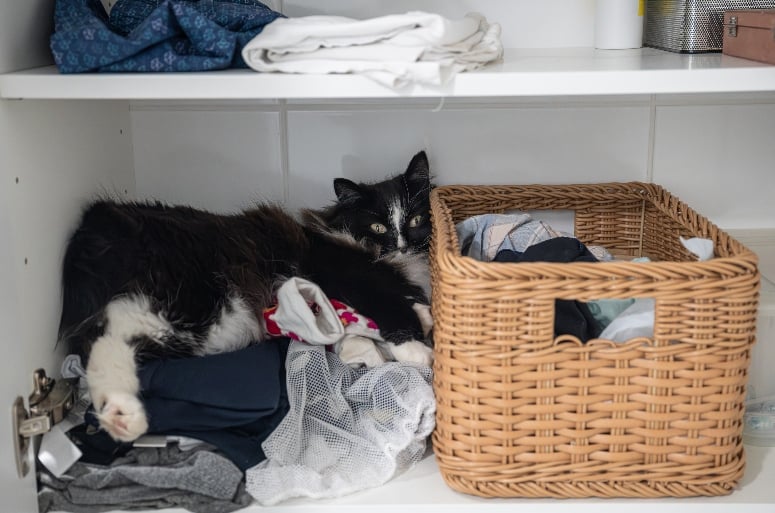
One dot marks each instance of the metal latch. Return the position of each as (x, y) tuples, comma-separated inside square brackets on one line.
[(732, 26), (49, 402)]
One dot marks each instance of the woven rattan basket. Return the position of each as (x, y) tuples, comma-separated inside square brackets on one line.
[(522, 414)]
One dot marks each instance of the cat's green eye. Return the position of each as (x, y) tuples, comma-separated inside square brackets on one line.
[(415, 221), (378, 228)]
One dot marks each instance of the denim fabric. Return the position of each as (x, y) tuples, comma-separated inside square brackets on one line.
[(155, 35)]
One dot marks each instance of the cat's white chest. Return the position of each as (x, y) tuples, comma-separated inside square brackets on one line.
[(416, 268)]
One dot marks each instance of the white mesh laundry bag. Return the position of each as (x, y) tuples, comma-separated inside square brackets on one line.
[(347, 429)]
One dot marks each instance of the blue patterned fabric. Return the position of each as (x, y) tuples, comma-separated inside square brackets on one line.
[(155, 35)]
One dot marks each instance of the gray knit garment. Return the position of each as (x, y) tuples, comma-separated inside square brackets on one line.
[(198, 480)]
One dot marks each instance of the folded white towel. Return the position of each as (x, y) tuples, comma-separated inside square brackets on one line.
[(395, 50)]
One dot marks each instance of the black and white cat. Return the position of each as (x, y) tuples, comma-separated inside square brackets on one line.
[(392, 217), (148, 280)]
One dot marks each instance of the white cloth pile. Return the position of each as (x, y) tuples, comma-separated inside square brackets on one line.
[(395, 50), (347, 429)]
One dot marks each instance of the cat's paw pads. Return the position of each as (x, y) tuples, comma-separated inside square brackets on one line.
[(357, 351), (123, 417), (412, 351)]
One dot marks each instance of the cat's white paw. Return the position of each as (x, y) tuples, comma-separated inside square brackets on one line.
[(424, 315), (123, 416), (412, 351), (357, 351)]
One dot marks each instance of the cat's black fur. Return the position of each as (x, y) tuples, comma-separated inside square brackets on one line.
[(188, 262)]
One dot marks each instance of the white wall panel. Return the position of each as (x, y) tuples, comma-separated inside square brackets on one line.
[(524, 23), (506, 144), (719, 160), (54, 156), (363, 146), (761, 382), (217, 160), (25, 28)]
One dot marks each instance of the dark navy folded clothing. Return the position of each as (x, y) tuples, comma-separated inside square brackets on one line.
[(231, 400), (155, 35), (96, 446), (230, 388), (570, 317)]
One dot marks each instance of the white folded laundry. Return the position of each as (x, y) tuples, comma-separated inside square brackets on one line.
[(396, 50)]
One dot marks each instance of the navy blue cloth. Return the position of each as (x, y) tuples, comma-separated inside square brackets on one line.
[(231, 400), (96, 446), (155, 35), (570, 317)]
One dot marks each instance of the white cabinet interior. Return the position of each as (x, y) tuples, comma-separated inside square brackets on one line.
[(555, 111)]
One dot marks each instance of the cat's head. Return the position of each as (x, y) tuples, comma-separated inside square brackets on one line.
[(389, 216)]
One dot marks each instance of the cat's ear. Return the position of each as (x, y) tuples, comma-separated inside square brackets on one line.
[(418, 169), (346, 190)]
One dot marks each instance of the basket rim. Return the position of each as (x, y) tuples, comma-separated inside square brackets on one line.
[(446, 249)]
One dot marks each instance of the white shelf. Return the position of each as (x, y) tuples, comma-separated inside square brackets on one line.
[(422, 490), (523, 72)]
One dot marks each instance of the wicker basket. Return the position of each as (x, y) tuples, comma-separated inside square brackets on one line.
[(521, 413)]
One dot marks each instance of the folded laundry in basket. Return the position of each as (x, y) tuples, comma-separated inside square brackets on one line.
[(483, 236), (155, 35), (570, 317), (395, 50)]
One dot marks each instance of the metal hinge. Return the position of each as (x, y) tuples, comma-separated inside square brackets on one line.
[(49, 402), (732, 26)]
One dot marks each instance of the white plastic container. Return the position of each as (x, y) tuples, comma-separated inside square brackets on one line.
[(619, 24), (759, 426)]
